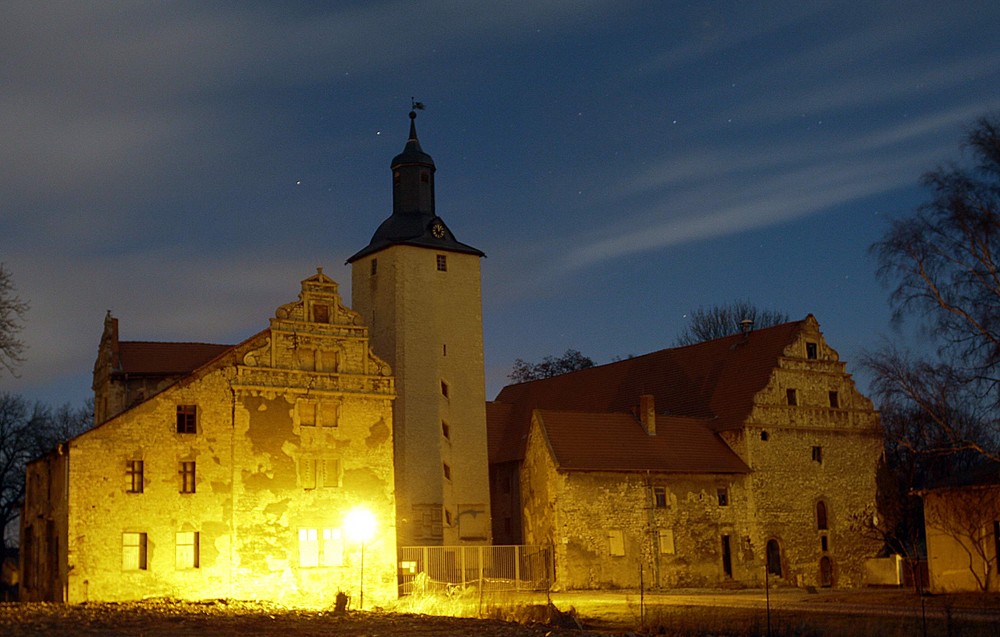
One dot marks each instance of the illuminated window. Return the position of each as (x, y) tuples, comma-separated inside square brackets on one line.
[(666, 541), (616, 542), (186, 544), (811, 351), (133, 476), (723, 495), (660, 497), (187, 418), (333, 548), (834, 400), (442, 263), (134, 551), (186, 472), (792, 397), (308, 548), (817, 454)]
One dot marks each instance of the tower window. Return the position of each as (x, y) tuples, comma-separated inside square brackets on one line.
[(821, 521), (817, 454), (792, 397), (444, 389), (442, 263), (445, 430), (447, 471), (834, 400), (811, 351)]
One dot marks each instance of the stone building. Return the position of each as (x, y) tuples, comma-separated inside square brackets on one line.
[(697, 466), (224, 471)]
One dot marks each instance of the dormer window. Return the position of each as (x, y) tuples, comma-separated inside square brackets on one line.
[(812, 351)]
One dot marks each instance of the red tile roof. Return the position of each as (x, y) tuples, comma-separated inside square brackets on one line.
[(617, 442), (164, 359), (714, 381)]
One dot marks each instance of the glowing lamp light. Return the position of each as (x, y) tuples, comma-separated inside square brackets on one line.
[(359, 524)]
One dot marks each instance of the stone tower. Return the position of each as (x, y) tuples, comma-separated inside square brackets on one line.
[(418, 289)]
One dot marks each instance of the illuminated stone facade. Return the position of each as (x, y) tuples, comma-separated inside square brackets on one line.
[(756, 452), (233, 480)]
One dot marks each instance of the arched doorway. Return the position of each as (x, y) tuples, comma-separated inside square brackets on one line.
[(825, 572), (773, 558)]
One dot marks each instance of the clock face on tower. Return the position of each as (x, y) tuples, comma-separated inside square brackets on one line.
[(438, 231)]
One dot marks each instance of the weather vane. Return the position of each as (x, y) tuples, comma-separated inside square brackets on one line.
[(416, 106)]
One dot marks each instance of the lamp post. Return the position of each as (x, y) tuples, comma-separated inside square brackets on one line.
[(360, 526)]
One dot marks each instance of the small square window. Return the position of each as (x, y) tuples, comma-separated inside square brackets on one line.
[(660, 497), (187, 419), (834, 400), (723, 495), (442, 263), (817, 454), (133, 476), (187, 474), (812, 351), (792, 397)]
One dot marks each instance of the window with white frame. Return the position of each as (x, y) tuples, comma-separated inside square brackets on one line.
[(134, 551), (321, 547), (187, 549)]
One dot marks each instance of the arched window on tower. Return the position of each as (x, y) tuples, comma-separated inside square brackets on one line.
[(821, 521)]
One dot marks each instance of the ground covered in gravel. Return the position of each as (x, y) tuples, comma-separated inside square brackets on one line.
[(221, 618)]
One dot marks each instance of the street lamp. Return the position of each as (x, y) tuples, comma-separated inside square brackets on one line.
[(359, 524)]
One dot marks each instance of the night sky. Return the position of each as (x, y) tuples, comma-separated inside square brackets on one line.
[(186, 164)]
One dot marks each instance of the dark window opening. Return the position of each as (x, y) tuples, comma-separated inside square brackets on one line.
[(187, 419), (447, 472), (821, 521), (723, 494), (792, 397), (812, 351), (817, 454), (660, 497), (727, 558), (764, 436), (374, 267), (445, 430), (444, 389), (321, 313), (773, 558), (447, 519), (824, 543), (834, 400)]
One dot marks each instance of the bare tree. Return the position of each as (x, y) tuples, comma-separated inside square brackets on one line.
[(549, 366), (966, 515), (942, 262), (718, 321), (26, 432), (12, 311)]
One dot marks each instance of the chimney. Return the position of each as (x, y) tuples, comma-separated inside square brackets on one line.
[(647, 413)]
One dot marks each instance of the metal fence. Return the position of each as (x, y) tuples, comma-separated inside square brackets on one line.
[(447, 569)]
